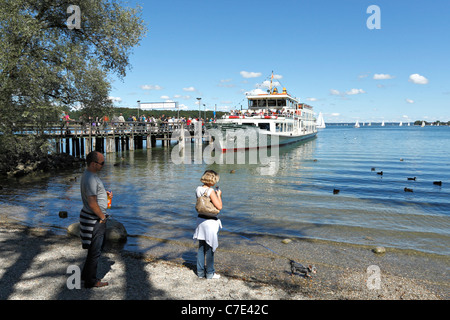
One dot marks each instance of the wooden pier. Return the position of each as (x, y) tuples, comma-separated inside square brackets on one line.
[(78, 139)]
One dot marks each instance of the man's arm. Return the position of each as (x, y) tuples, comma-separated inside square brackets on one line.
[(92, 201)]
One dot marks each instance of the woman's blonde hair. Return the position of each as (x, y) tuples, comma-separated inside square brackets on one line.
[(210, 177)]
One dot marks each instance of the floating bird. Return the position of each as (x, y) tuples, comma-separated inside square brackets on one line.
[(233, 171), (336, 191), (380, 173), (438, 183), (412, 178), (305, 271), (62, 214), (121, 161), (373, 169), (408, 190)]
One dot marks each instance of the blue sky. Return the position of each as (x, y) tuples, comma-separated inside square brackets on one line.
[(322, 51)]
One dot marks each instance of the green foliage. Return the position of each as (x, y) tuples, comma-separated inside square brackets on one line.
[(46, 67)]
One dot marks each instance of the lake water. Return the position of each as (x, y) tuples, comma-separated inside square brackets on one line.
[(155, 197)]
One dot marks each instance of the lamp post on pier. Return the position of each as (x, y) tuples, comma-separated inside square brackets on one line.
[(199, 104), (139, 107)]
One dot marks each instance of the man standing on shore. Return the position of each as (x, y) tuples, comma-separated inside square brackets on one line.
[(93, 218)]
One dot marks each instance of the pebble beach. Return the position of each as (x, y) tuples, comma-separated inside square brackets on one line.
[(34, 264)]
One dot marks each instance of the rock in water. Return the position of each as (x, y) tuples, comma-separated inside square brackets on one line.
[(286, 241), (115, 231), (379, 250), (74, 229)]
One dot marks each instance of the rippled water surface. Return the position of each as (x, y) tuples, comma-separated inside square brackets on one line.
[(293, 198)]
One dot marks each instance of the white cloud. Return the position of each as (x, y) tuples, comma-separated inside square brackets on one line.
[(418, 79), (179, 96), (277, 77), (409, 101), (354, 91), (247, 74), (335, 114), (115, 99), (223, 108), (362, 76), (165, 97), (189, 89), (350, 92), (382, 76), (335, 92), (266, 84), (150, 87), (226, 83), (183, 107), (255, 92), (311, 99)]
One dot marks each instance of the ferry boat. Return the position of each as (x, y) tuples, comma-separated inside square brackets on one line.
[(272, 119)]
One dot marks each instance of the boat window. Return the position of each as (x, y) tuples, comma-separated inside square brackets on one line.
[(261, 103), (264, 126), (277, 103), (257, 103)]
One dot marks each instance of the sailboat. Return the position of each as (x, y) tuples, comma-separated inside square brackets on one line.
[(400, 124), (357, 124), (423, 124), (382, 123), (320, 122)]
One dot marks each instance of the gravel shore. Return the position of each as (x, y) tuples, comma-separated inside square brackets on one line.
[(34, 264)]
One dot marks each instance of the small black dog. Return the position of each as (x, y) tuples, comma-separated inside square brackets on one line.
[(305, 271)]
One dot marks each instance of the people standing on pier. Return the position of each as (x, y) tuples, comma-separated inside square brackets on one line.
[(208, 227), (66, 119), (93, 218)]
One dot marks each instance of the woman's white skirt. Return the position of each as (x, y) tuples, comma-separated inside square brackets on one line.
[(208, 230)]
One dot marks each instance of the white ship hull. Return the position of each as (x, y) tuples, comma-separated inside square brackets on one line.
[(272, 119), (244, 140), (244, 133)]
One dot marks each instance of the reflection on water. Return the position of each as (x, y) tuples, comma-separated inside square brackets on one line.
[(290, 195)]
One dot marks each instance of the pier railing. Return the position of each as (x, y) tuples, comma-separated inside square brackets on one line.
[(79, 128), (79, 138)]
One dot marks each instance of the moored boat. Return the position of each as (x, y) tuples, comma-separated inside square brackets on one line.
[(272, 119)]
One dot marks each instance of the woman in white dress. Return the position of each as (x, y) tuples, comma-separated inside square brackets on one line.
[(208, 227)]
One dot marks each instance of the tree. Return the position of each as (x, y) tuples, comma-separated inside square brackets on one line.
[(45, 65)]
